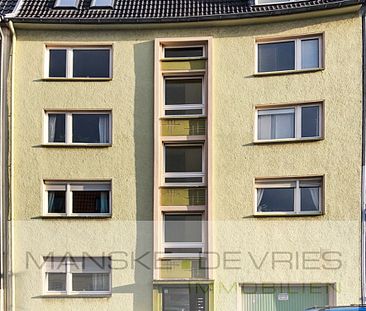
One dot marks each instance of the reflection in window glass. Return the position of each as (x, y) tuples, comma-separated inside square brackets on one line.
[(92, 202), (90, 282), (57, 202), (90, 128), (278, 56), (310, 53), (66, 3), (183, 228), (183, 159), (57, 282), (57, 65), (310, 121), (183, 52), (183, 91), (310, 198), (91, 63), (102, 3), (56, 128), (275, 199), (276, 124)]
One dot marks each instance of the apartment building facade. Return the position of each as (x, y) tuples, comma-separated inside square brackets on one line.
[(185, 155)]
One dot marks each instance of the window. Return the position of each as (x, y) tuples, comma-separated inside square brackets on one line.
[(289, 196), (102, 3), (77, 199), (79, 62), (78, 128), (77, 275), (183, 233), (186, 298), (183, 96), (184, 164), (66, 3), (293, 54), (184, 52), (290, 122)]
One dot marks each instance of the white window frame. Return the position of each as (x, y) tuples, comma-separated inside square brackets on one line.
[(94, 5), (290, 183), (59, 5), (69, 187), (297, 41), (185, 174), (203, 46), (298, 121), (202, 245), (185, 107), (68, 127), (69, 291), (70, 59)]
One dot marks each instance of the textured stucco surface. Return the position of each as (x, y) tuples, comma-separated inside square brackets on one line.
[(236, 161)]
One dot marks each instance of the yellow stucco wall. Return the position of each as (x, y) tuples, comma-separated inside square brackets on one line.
[(236, 162)]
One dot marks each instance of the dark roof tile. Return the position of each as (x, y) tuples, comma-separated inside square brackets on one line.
[(148, 11)]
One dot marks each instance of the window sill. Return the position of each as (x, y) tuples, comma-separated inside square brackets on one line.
[(260, 215), (76, 79), (61, 145), (75, 216), (286, 72), (285, 141), (109, 295)]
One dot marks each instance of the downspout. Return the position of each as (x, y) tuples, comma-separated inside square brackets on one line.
[(2, 169), (11, 284), (363, 181)]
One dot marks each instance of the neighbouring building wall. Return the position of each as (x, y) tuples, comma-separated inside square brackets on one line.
[(236, 164)]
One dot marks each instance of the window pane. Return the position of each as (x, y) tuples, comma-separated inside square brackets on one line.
[(183, 250), (275, 200), (90, 282), (276, 125), (57, 282), (90, 202), (56, 128), (67, 3), (90, 128), (183, 92), (57, 202), (183, 228), (310, 199), (91, 63), (185, 298), (90, 264), (103, 3), (183, 159), (310, 53), (276, 56), (310, 121), (183, 52), (183, 112), (57, 66)]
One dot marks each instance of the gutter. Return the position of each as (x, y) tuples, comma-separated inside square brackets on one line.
[(255, 12), (363, 178), (11, 282)]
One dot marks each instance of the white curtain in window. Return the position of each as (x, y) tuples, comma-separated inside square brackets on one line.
[(103, 128), (283, 125), (314, 192), (51, 201), (51, 128), (260, 193), (100, 282), (264, 127), (104, 208)]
